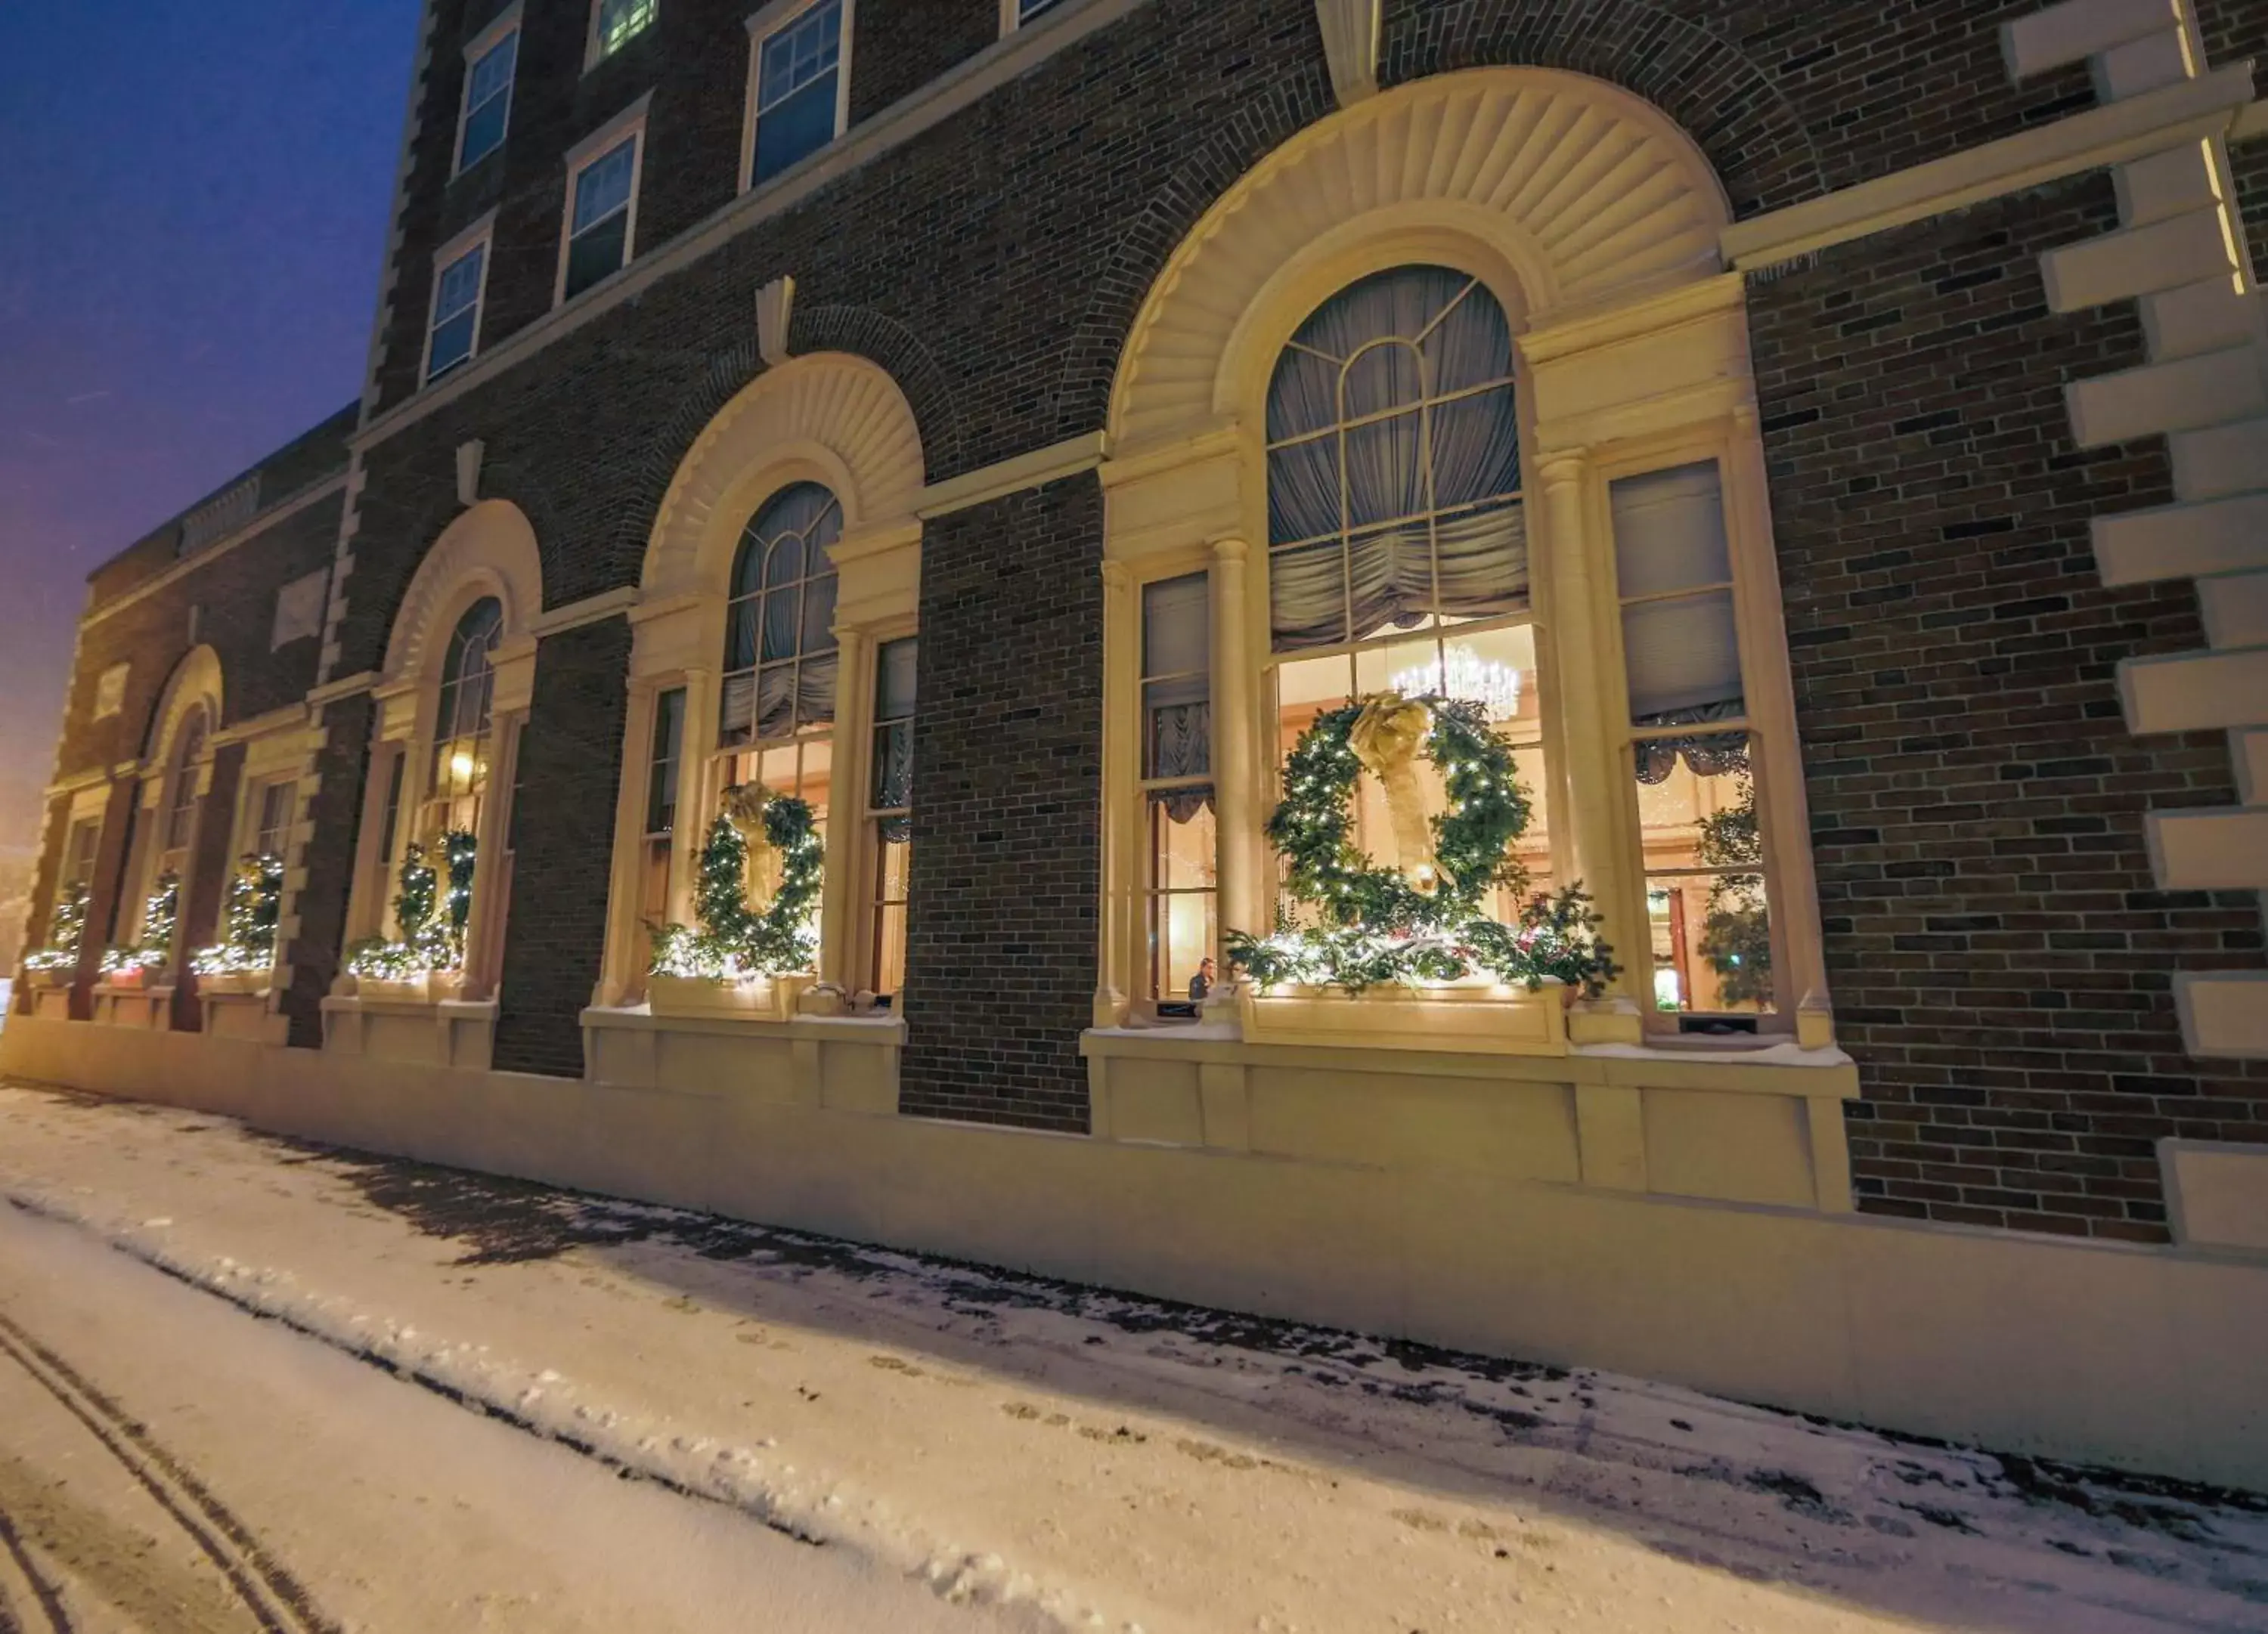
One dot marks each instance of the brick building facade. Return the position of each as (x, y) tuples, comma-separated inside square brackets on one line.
[(1933, 284)]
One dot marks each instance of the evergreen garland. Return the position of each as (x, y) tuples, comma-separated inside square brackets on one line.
[(1378, 926), (254, 906), (734, 940), (427, 942), (66, 929), (161, 912)]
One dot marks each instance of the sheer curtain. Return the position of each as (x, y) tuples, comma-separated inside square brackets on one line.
[(1393, 462)]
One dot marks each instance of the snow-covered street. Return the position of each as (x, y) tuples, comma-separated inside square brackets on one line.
[(483, 1404)]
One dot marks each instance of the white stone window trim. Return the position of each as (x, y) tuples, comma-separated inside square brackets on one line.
[(828, 418), (110, 690), (628, 124), (763, 25), (480, 236), (595, 49), (487, 551), (476, 51)]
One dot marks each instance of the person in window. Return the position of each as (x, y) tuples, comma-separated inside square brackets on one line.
[(1200, 983)]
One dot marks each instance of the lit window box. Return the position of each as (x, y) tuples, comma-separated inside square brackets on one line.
[(756, 997), (1476, 1016)]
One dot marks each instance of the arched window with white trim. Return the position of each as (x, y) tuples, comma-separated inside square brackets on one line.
[(776, 714), (1397, 547), (464, 724)]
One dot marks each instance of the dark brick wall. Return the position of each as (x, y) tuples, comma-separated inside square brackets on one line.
[(1000, 956), (2249, 166), (336, 811), (1999, 953), (902, 45), (235, 593), (562, 834)]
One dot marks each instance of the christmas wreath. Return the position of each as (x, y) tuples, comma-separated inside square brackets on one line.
[(1423, 921), (733, 938)]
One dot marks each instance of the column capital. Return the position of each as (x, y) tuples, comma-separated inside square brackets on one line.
[(1115, 574), (1563, 465), (1227, 550)]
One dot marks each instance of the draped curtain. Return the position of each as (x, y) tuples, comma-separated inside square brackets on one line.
[(780, 656), (1393, 462)]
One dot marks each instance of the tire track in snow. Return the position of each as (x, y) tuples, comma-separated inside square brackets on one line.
[(277, 1602)]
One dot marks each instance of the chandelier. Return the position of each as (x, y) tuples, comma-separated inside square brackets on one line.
[(1494, 686)]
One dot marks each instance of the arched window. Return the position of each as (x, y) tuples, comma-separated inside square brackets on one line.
[(181, 796), (464, 729), (1397, 538), (777, 714)]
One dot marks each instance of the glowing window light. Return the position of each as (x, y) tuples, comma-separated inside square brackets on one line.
[(1494, 686)]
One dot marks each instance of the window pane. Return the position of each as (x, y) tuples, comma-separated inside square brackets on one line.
[(889, 948), (460, 284), (800, 125), (1681, 654), (1384, 375), (1306, 595), (452, 344), (1706, 903), (488, 102), (661, 783), (620, 19), (1669, 531), (895, 668), (1385, 477), (1303, 491), (1182, 912), (1475, 449), (1176, 626), (799, 53), (894, 766), (603, 186), (1177, 735), (597, 253), (1305, 690), (1469, 345)]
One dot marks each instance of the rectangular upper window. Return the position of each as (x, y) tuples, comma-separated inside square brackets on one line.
[(797, 100), (616, 23), (601, 214), (490, 65), (454, 334), (1015, 13)]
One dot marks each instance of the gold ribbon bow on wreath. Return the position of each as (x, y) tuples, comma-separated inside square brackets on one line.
[(744, 809), (1387, 738)]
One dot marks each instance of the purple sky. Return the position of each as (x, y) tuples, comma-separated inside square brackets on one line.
[(191, 218)]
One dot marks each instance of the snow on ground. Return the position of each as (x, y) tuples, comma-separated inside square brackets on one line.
[(380, 1507), (1109, 1461)]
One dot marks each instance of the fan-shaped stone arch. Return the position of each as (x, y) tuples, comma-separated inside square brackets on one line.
[(195, 683), (1567, 192), (832, 417), (488, 550)]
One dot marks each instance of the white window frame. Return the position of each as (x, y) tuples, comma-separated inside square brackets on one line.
[(594, 51), (631, 124), (487, 41), (482, 236), (1012, 17), (764, 23)]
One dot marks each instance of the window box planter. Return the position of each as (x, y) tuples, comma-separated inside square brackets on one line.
[(63, 975), (758, 999), (233, 983), (1478, 1016), (427, 987)]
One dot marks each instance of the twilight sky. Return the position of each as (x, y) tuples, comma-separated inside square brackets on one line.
[(191, 217)]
